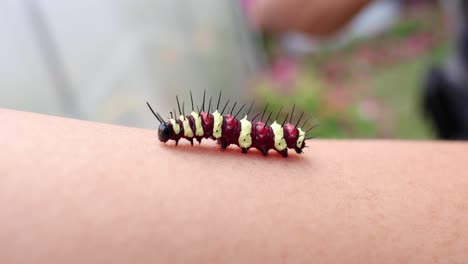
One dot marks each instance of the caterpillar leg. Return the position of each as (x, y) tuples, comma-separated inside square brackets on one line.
[(191, 141), (176, 142), (264, 152), (199, 141), (284, 153), (244, 150), (224, 145)]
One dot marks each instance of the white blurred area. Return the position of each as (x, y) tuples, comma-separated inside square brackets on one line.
[(102, 60)]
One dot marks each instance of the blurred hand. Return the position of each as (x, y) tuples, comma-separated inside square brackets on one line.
[(316, 17)]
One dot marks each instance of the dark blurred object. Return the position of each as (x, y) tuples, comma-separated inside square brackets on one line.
[(418, 2), (445, 96), (446, 104)]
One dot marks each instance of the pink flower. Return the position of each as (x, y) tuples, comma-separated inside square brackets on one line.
[(284, 71)]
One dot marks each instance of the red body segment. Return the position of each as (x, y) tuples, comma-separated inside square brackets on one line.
[(207, 124), (230, 131), (291, 134), (263, 138)]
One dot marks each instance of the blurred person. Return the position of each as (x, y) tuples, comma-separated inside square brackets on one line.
[(444, 94), (317, 17)]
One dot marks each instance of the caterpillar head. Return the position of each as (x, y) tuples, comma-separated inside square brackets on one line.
[(295, 137), (165, 132)]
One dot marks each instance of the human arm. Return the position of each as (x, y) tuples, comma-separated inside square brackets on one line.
[(80, 192)]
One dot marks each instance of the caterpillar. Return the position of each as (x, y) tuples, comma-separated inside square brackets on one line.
[(228, 130)]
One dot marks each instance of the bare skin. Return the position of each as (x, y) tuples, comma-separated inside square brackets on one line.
[(316, 17), (79, 192)]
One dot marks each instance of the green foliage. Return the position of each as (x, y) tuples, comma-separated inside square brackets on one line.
[(381, 79), (399, 88)]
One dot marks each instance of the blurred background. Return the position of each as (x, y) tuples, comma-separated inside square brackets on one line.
[(102, 60)]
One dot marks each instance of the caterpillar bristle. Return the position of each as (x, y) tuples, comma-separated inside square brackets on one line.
[(219, 100), (209, 104), (268, 119), (160, 118), (292, 113), (263, 113), (155, 115), (242, 107), (286, 118), (279, 112), (203, 103), (227, 129), (299, 120), (255, 117), (178, 104), (224, 108), (305, 122), (234, 106), (191, 100), (250, 108), (314, 126)]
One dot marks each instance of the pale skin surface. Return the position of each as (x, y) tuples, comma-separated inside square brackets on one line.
[(315, 17), (80, 192)]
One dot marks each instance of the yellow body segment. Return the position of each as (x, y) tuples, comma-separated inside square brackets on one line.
[(198, 124), (218, 122), (280, 142), (245, 140), (301, 138), (187, 129), (175, 126)]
